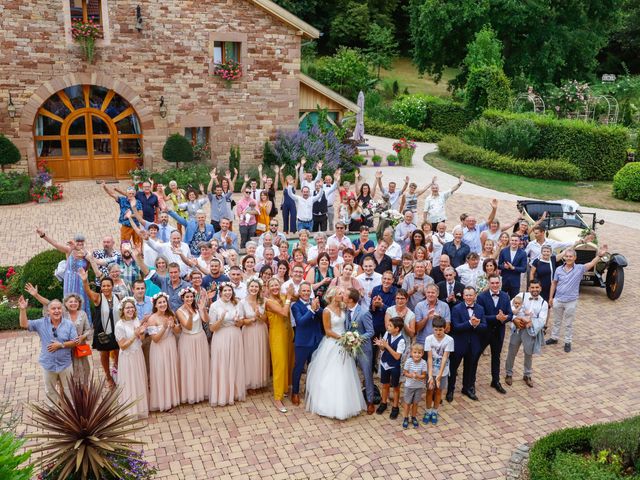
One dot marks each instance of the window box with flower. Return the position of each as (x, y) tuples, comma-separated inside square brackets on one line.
[(404, 149), (85, 33), (229, 71)]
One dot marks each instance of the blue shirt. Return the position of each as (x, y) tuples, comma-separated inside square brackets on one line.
[(207, 280), (175, 302), (422, 311), (60, 359), (144, 308), (220, 206), (360, 256), (568, 287), (149, 205), (388, 300), (125, 207), (472, 237)]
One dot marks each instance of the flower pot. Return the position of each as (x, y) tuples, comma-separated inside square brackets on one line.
[(405, 156), (377, 164), (391, 164), (44, 200)]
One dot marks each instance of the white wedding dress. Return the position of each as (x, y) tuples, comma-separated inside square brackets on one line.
[(333, 385)]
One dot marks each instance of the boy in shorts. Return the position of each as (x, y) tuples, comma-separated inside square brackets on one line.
[(392, 346), (438, 347), (415, 373)]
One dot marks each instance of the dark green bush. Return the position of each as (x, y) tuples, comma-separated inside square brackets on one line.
[(571, 466), (427, 112), (14, 188), (177, 149), (512, 138), (390, 130), (620, 438), (598, 150), (9, 153), (455, 149), (10, 317), (39, 271), (376, 159), (626, 183), (13, 457), (487, 87), (186, 177)]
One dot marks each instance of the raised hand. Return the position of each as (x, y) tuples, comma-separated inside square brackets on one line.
[(23, 303), (31, 289), (212, 173), (494, 203), (82, 273), (319, 166), (235, 171), (260, 168), (461, 179), (379, 174), (40, 231), (406, 179), (276, 169), (246, 178), (264, 178)]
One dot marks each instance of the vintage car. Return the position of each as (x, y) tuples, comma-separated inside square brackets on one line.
[(565, 222)]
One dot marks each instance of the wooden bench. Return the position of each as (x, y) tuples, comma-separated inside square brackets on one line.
[(366, 149)]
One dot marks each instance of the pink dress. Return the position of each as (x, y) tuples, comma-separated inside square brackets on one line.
[(193, 352), (163, 371), (227, 357), (132, 372), (255, 339)]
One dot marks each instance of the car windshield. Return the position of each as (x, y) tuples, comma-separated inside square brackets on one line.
[(557, 216)]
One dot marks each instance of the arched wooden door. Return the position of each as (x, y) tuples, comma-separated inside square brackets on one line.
[(87, 131)]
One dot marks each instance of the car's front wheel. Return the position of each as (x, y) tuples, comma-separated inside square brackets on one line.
[(615, 281)]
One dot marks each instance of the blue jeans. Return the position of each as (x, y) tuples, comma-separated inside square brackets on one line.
[(306, 225)]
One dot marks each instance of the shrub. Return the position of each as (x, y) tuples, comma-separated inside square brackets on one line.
[(392, 159), (626, 183), (598, 150), (394, 130), (14, 188), (177, 149), (571, 466), (186, 177), (455, 149), (10, 317), (487, 87), (11, 459), (39, 271), (620, 438), (423, 111), (512, 138), (411, 110), (346, 72), (359, 159), (234, 158), (9, 153), (376, 159)]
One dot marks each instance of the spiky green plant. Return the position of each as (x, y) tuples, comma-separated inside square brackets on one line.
[(82, 430)]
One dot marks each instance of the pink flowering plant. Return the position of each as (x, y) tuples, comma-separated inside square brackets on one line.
[(85, 33), (228, 71), (404, 148), (572, 99)]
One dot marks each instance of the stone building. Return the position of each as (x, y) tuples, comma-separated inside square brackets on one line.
[(152, 76)]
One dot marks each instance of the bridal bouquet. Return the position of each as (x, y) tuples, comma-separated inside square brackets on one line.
[(394, 217), (351, 343)]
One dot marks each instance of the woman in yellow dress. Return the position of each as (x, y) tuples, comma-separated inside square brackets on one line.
[(264, 207), (280, 339)]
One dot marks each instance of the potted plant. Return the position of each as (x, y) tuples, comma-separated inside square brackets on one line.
[(42, 188), (392, 160), (376, 160), (85, 33), (228, 71), (404, 149)]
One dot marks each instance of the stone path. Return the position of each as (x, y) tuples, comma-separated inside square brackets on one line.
[(597, 382)]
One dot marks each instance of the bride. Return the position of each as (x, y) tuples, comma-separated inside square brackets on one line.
[(333, 385)]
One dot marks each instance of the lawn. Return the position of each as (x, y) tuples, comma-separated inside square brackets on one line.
[(407, 76), (592, 194)]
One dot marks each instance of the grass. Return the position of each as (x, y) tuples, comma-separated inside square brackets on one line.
[(597, 195), (407, 76)]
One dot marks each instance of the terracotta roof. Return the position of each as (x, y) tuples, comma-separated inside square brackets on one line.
[(327, 92), (289, 18)]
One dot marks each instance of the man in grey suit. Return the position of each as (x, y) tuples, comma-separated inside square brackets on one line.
[(359, 319)]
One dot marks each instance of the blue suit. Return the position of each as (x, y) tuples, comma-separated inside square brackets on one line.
[(511, 278), (467, 344), (192, 228), (308, 334), (362, 322), (494, 335)]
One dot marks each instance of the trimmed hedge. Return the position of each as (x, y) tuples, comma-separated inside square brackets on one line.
[(18, 192), (395, 130), (598, 150), (626, 183), (427, 112), (39, 270), (455, 149), (10, 317)]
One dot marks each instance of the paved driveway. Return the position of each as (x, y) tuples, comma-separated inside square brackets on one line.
[(597, 382)]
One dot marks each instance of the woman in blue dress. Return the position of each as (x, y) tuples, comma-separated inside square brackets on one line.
[(76, 253)]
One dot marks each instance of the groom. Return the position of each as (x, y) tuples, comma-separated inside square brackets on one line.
[(359, 319), (308, 320)]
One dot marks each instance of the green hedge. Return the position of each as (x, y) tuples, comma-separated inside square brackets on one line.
[(626, 183), (14, 188), (395, 130), (39, 270), (10, 317), (426, 112), (598, 150), (455, 149)]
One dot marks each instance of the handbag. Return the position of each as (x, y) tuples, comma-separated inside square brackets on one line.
[(83, 350), (104, 338), (261, 226)]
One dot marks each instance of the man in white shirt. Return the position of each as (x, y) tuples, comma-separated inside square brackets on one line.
[(434, 205), (267, 242), (319, 247), (439, 237), (334, 254), (330, 193), (171, 251), (394, 194), (294, 282), (534, 247), (470, 271), (369, 279), (306, 179), (405, 229), (239, 287), (394, 249), (340, 238), (304, 206)]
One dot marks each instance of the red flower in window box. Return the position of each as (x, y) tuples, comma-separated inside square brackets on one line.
[(85, 33), (228, 71)]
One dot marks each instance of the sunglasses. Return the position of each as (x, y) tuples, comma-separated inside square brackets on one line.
[(339, 228), (54, 331), (248, 192)]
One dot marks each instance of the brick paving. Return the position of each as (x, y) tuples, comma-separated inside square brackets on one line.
[(597, 381)]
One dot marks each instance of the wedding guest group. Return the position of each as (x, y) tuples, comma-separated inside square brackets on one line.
[(213, 295)]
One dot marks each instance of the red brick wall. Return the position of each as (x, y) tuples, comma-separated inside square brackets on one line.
[(170, 57)]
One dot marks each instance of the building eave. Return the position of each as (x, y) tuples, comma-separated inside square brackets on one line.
[(327, 92), (302, 28)]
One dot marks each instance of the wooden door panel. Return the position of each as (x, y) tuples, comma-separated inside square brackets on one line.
[(58, 169), (123, 165), (79, 168)]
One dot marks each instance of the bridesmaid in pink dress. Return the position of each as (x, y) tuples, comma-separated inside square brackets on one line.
[(132, 372), (255, 338), (163, 356), (227, 353), (193, 348)]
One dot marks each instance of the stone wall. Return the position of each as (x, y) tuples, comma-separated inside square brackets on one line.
[(171, 57)]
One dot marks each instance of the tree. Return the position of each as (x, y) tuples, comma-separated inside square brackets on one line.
[(348, 26), (9, 153), (382, 47), (548, 40), (485, 50), (177, 149), (487, 87), (347, 72)]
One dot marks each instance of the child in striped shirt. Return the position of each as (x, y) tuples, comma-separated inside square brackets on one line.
[(415, 373)]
